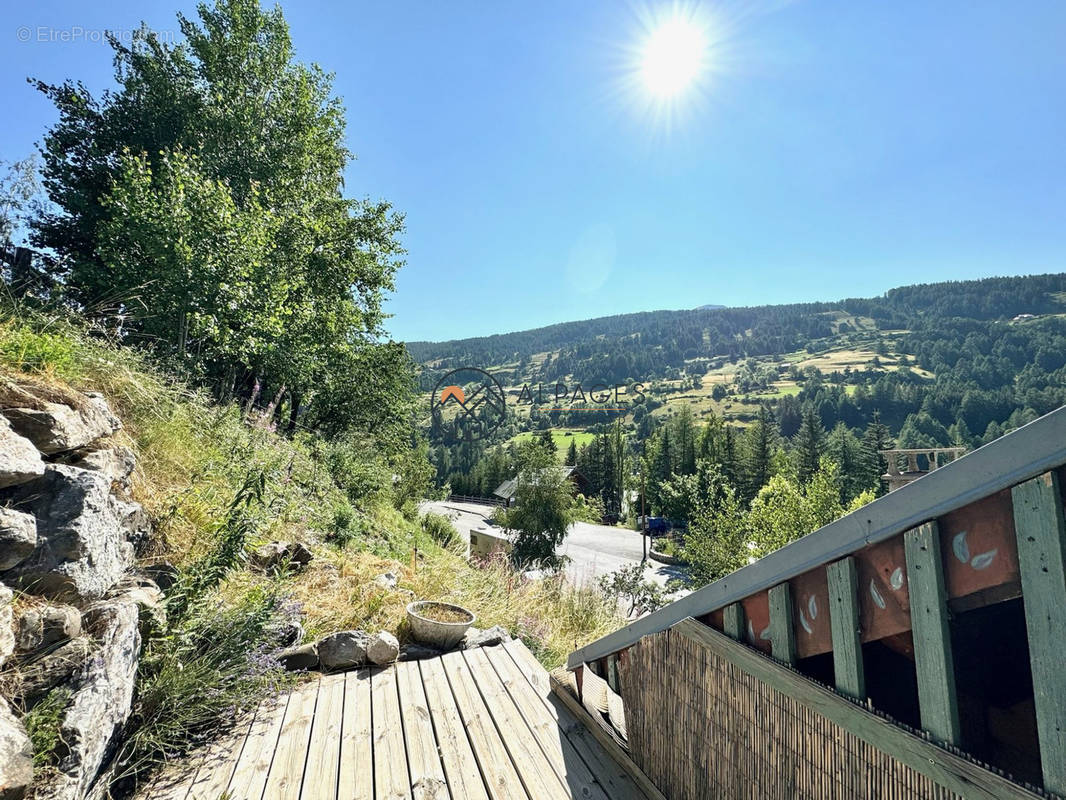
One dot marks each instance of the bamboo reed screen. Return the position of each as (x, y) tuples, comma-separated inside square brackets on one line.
[(701, 727)]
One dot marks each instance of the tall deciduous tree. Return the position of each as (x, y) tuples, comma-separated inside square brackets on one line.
[(204, 198), (543, 509)]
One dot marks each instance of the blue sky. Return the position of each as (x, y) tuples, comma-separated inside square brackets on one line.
[(830, 149)]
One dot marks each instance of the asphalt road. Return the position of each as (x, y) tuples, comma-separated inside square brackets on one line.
[(594, 550)]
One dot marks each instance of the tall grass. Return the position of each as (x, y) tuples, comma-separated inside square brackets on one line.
[(215, 487)]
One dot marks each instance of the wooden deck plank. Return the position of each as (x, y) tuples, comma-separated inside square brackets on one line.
[(501, 779), (220, 759), (287, 768), (173, 781), (253, 765), (460, 764), (392, 781), (428, 781), (324, 748), (565, 760), (356, 778), (608, 772), (533, 767)]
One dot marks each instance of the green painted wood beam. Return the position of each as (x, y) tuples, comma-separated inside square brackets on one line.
[(933, 657), (733, 621), (782, 629), (1041, 534), (843, 577)]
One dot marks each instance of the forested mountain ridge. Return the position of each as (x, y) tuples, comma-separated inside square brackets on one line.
[(933, 365), (647, 345)]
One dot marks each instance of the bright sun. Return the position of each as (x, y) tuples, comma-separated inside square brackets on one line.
[(673, 57)]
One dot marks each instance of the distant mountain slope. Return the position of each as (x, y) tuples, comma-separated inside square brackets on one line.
[(657, 343)]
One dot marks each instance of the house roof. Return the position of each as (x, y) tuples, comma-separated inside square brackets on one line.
[(1023, 454), (507, 489)]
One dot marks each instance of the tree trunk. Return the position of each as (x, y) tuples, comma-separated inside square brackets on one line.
[(268, 413), (294, 412), (257, 387)]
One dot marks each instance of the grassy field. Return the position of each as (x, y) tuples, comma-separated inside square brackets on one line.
[(561, 436)]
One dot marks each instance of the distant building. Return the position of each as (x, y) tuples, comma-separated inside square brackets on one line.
[(1023, 317), (905, 466), (506, 490)]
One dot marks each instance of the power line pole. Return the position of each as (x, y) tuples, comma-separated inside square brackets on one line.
[(643, 516)]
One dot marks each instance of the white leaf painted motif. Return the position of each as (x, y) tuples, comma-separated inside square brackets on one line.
[(876, 595), (806, 625), (812, 607), (764, 634), (751, 632), (960, 547), (895, 580), (984, 559)]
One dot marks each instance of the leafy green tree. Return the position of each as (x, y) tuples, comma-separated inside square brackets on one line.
[(543, 509), (194, 263), (628, 585), (227, 118)]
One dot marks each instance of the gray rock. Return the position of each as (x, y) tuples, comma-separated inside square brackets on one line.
[(275, 556), (478, 638), (58, 428), (43, 626), (43, 674), (343, 650), (417, 652), (299, 658), (133, 520), (386, 580), (289, 633), (20, 461), (383, 648), (16, 755), (164, 575), (143, 592), (115, 462), (101, 704), (81, 549), (7, 623), (18, 537)]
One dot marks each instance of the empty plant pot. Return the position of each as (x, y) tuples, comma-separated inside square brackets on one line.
[(439, 625)]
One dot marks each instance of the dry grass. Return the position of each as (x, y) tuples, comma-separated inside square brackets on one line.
[(338, 592)]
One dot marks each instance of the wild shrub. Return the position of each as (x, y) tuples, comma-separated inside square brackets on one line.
[(440, 529), (42, 724)]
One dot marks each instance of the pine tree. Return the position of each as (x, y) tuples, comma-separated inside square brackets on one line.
[(808, 446), (845, 450), (571, 453), (874, 440), (547, 441), (760, 443)]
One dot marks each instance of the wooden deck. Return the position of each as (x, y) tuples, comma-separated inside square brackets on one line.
[(478, 724)]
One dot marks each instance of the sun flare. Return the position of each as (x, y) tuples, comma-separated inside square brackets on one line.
[(673, 57)]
